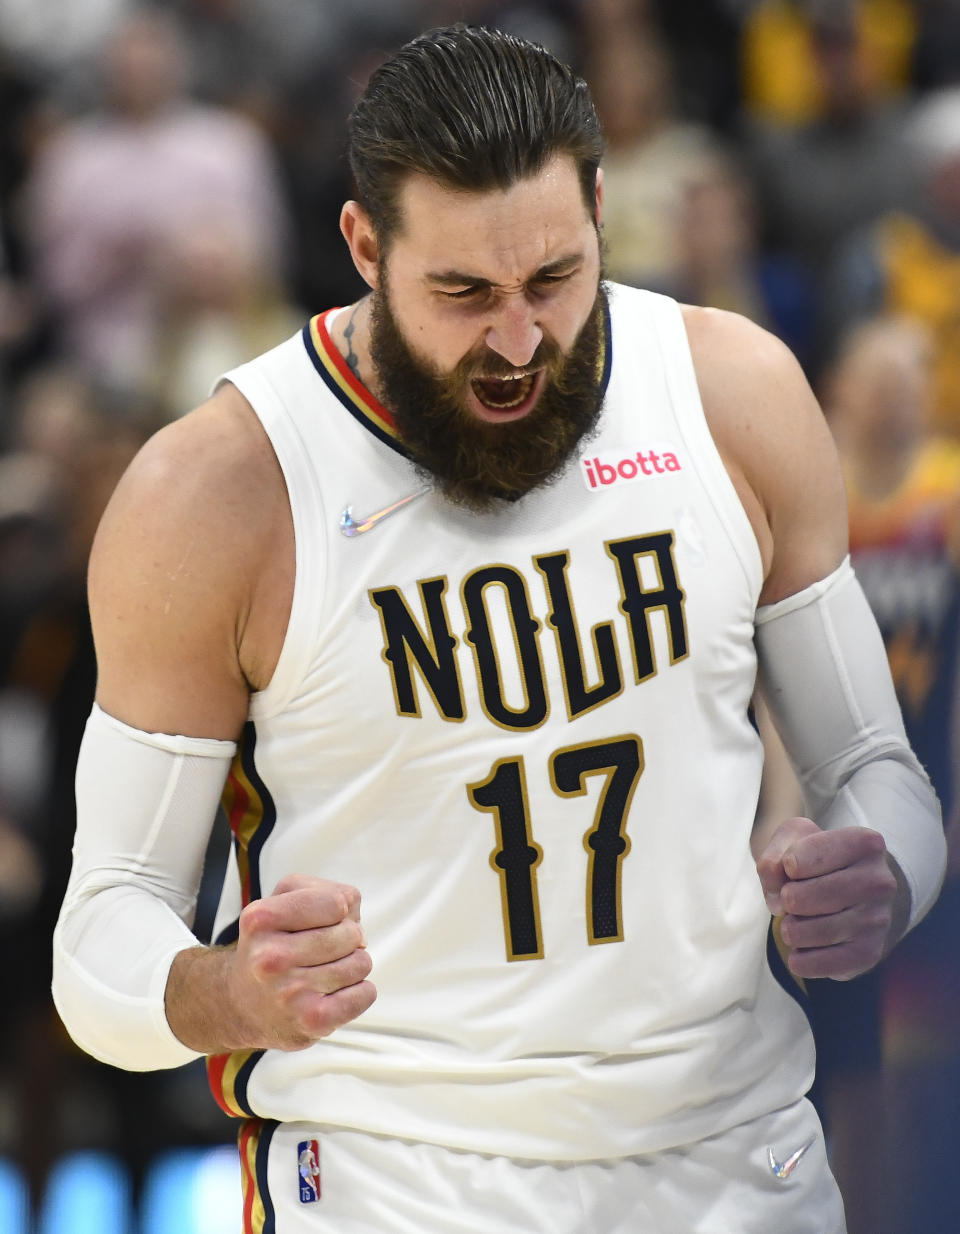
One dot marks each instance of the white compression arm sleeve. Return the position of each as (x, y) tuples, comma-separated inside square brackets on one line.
[(146, 803), (825, 676)]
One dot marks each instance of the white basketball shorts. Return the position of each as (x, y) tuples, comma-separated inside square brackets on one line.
[(769, 1176)]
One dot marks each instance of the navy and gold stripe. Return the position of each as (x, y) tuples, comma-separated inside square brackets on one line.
[(343, 383), (252, 813), (606, 349), (259, 1215), (229, 1075)]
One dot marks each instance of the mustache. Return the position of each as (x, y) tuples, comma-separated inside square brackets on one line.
[(486, 365)]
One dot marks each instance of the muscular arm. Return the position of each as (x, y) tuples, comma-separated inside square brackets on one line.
[(190, 586), (777, 448), (844, 898), (176, 574)]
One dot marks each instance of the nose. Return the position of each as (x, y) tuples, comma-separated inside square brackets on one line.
[(514, 334)]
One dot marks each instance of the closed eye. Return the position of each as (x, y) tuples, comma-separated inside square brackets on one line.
[(464, 294), (552, 280)]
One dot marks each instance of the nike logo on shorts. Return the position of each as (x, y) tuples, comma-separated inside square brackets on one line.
[(783, 1169)]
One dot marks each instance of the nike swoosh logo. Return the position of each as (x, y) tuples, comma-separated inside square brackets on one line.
[(350, 527), (783, 1169)]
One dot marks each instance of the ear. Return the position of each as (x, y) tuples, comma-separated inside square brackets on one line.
[(599, 195), (357, 230)]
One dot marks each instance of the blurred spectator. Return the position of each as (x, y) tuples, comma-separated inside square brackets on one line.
[(218, 304), (903, 486), (71, 441), (652, 154), (782, 82), (908, 262), (903, 482), (842, 168), (110, 192), (719, 261)]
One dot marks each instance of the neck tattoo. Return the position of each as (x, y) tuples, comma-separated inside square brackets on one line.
[(353, 360)]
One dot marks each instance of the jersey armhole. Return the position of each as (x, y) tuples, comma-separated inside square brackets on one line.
[(691, 420), (307, 512)]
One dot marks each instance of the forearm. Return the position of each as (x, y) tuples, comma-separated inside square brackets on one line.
[(200, 1008)]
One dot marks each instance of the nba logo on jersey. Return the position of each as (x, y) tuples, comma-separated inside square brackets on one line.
[(308, 1164)]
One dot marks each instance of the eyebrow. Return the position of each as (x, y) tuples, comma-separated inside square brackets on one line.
[(459, 278)]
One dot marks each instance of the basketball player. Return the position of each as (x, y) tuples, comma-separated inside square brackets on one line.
[(456, 601)]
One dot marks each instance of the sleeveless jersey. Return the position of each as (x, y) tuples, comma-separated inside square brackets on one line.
[(525, 737)]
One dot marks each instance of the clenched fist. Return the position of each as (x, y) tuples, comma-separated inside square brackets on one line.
[(297, 972), (841, 904)]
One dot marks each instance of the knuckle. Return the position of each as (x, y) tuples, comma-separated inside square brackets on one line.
[(267, 961), (255, 916)]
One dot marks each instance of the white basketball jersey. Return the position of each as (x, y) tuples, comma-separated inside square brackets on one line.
[(524, 736)]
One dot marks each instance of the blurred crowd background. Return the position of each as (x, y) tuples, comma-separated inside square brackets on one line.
[(170, 183)]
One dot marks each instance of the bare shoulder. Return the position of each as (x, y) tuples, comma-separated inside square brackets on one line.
[(734, 356), (201, 471), (776, 445), (178, 566), (755, 396)]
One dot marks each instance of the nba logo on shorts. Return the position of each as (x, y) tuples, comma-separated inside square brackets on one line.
[(308, 1164)]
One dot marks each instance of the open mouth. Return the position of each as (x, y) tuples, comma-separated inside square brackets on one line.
[(504, 393)]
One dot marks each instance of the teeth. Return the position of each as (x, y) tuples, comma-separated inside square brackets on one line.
[(522, 383)]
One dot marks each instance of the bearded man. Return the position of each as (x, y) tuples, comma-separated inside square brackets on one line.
[(456, 600)]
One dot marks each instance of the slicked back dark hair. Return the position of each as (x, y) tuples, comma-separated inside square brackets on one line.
[(473, 108)]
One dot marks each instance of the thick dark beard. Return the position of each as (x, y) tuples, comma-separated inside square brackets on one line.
[(472, 462)]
